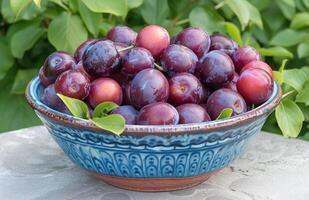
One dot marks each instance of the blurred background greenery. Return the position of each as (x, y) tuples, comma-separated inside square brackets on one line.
[(31, 29)]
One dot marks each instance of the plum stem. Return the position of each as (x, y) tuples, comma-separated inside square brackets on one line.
[(126, 48), (159, 67)]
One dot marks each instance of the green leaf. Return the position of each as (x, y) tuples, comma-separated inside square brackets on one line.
[(19, 43), (305, 110), (180, 5), (103, 109), (249, 40), (66, 32), (295, 78), (305, 69), (290, 118), (261, 35), (6, 58), (29, 12), (274, 18), (18, 114), (18, 5), (73, 5), (105, 27), (303, 50), (134, 3), (240, 8), (303, 95), (16, 111), (300, 20), (114, 123), (37, 3), (7, 15), (306, 3), (279, 74), (233, 32), (225, 113), (300, 6), (22, 79), (174, 30), (60, 3), (278, 77), (116, 7), (260, 4), (287, 38), (255, 16), (77, 107), (92, 20), (209, 20), (275, 51), (18, 26), (154, 11), (287, 7)]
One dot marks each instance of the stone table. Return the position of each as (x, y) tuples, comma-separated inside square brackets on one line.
[(33, 167)]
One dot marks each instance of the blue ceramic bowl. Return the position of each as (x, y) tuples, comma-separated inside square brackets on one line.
[(152, 158)]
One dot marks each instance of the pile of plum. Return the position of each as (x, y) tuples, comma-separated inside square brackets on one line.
[(155, 80)]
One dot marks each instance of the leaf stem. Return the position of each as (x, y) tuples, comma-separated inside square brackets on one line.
[(110, 18), (283, 65), (181, 12), (287, 94), (180, 22), (159, 67), (219, 5), (126, 48)]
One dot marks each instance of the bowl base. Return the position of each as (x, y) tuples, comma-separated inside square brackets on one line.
[(154, 184)]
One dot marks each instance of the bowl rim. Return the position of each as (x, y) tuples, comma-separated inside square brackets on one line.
[(210, 126)]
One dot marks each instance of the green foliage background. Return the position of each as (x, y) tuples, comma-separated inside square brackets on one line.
[(31, 29)]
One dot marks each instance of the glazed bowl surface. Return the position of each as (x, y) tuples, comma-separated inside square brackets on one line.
[(152, 158)]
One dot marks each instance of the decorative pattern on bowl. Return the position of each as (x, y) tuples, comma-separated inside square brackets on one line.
[(152, 153)]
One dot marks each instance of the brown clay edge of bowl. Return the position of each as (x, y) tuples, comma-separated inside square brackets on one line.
[(167, 130), (154, 184)]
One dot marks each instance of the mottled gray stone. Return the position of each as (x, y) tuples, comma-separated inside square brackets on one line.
[(33, 167)]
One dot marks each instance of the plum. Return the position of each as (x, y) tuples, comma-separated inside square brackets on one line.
[(158, 113), (104, 89), (148, 86), (74, 84), (195, 39), (225, 98), (192, 113), (154, 38), (255, 85)]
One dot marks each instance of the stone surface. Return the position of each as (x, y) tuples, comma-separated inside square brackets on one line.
[(33, 167)]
